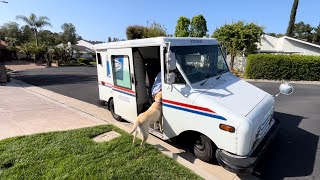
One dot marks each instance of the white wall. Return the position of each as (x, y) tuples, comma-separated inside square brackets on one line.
[(85, 44), (286, 44), (305, 49), (239, 62), (268, 43), (87, 56)]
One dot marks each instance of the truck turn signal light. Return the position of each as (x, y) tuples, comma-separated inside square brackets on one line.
[(228, 128)]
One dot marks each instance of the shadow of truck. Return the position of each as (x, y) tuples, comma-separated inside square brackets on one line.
[(293, 152)]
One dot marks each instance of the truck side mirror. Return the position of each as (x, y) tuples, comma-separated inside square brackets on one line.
[(171, 61), (170, 78), (285, 88), (171, 65)]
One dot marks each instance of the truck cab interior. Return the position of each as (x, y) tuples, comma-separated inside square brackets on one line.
[(147, 65)]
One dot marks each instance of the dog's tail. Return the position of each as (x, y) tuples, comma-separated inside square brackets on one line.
[(135, 126)]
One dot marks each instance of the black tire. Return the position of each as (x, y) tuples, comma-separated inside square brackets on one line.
[(203, 148), (101, 102), (8, 78), (114, 115)]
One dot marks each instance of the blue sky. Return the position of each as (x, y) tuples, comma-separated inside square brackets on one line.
[(96, 20)]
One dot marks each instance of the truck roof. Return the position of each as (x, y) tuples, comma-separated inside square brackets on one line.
[(175, 41)]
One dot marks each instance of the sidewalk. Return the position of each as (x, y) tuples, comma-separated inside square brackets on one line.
[(23, 112)]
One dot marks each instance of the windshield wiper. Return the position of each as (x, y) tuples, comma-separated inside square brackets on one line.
[(220, 74), (208, 77), (211, 75)]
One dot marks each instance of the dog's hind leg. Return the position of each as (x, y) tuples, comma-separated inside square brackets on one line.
[(145, 136), (134, 136)]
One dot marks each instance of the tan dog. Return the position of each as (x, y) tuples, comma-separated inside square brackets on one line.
[(151, 116)]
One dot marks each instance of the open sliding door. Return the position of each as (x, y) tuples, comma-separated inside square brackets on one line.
[(124, 95)]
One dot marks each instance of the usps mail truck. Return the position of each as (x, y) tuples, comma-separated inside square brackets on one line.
[(222, 116)]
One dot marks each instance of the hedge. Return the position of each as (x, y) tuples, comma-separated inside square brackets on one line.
[(84, 61), (283, 67)]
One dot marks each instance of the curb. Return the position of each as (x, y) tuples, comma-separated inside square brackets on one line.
[(103, 114), (278, 81)]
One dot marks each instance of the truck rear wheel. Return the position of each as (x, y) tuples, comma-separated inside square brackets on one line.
[(114, 115), (203, 148)]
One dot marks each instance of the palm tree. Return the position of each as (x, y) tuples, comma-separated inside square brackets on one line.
[(35, 23), (292, 18)]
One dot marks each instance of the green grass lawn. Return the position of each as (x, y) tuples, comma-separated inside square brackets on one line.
[(73, 155)]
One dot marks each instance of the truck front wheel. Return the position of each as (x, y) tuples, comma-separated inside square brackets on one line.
[(203, 148), (114, 115), (101, 102)]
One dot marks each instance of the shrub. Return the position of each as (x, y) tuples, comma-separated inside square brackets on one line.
[(136, 32), (73, 61), (93, 63), (24, 59), (84, 61), (283, 67)]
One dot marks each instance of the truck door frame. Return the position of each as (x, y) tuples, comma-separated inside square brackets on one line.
[(123, 88)]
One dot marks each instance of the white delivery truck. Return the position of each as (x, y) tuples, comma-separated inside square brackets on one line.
[(221, 115)]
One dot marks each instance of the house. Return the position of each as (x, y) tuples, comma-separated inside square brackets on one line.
[(84, 47), (284, 45), (287, 45)]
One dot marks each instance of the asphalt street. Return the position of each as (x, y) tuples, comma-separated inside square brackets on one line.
[(295, 153), (76, 82)]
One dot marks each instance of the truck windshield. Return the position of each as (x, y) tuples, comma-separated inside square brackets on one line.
[(200, 62)]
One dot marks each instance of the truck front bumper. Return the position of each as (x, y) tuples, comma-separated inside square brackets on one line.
[(245, 165)]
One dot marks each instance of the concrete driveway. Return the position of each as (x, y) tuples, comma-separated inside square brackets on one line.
[(23, 112), (294, 154)]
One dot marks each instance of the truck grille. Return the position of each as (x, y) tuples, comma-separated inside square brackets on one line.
[(264, 127)]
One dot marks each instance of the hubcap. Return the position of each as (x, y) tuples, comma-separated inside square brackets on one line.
[(199, 145)]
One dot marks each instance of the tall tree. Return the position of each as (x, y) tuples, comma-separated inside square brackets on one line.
[(303, 31), (182, 27), (279, 35), (49, 38), (11, 30), (35, 23), (69, 33), (316, 35), (198, 26), (238, 38), (27, 34), (292, 18)]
